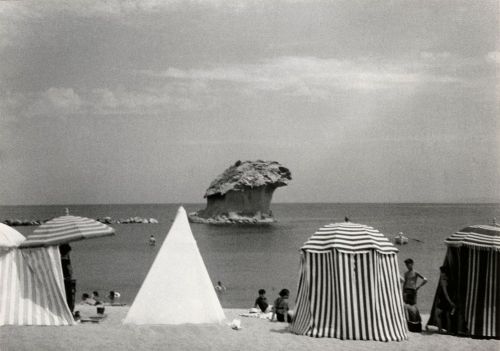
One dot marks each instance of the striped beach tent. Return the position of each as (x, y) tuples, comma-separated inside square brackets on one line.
[(473, 265), (66, 229), (31, 287), (349, 286)]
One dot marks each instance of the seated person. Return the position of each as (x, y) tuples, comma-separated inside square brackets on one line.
[(261, 301), (280, 308), (87, 300), (95, 296)]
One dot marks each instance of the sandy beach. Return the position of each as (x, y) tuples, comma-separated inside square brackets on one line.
[(256, 334)]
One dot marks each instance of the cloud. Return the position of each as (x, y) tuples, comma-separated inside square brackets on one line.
[(64, 101), (494, 56), (170, 97), (117, 8), (62, 98), (55, 100), (17, 16), (312, 76), (12, 13)]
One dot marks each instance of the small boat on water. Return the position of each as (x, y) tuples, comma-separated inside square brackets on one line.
[(400, 239)]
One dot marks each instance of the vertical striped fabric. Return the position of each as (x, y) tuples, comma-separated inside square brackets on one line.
[(482, 293), (349, 289), (32, 288), (473, 270)]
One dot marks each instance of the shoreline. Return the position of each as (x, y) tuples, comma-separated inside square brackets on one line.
[(256, 334)]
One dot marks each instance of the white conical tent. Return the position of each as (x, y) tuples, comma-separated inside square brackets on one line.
[(177, 288)]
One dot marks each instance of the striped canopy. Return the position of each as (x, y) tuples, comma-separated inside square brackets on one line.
[(481, 236), (349, 238), (66, 229)]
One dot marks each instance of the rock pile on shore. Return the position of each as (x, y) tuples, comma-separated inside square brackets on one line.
[(106, 220)]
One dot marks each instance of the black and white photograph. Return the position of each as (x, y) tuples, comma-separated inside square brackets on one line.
[(249, 175)]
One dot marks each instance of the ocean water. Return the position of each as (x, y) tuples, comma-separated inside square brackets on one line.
[(247, 258)]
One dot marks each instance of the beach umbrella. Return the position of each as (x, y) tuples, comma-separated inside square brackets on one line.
[(9, 237), (473, 265), (349, 286), (66, 229)]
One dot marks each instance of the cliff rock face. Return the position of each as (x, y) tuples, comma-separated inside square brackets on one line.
[(243, 193)]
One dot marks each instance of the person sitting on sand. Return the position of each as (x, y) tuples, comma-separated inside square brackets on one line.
[(261, 301), (95, 296), (280, 308), (87, 300), (444, 305)]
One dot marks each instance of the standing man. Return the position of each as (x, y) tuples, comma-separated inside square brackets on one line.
[(411, 285)]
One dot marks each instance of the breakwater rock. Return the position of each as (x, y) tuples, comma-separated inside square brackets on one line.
[(130, 220), (23, 222), (242, 194), (106, 220)]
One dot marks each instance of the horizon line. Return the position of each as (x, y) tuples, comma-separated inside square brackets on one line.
[(489, 202)]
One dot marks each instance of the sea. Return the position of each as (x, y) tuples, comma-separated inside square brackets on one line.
[(248, 258)]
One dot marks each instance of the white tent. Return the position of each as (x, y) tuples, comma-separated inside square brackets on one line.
[(31, 284), (177, 288), (9, 237)]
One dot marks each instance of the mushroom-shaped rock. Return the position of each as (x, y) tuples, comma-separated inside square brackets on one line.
[(243, 193)]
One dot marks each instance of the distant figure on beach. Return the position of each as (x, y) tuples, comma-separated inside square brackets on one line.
[(220, 288), (400, 239), (410, 288), (445, 308), (152, 240), (261, 301), (87, 300), (346, 219), (281, 308)]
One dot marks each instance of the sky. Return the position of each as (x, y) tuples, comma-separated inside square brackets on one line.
[(148, 101)]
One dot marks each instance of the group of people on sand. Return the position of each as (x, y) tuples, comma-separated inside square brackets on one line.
[(279, 311), (95, 300), (412, 282)]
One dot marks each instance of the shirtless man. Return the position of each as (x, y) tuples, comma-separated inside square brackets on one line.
[(410, 283)]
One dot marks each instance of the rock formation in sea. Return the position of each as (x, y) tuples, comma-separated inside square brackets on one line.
[(242, 194)]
